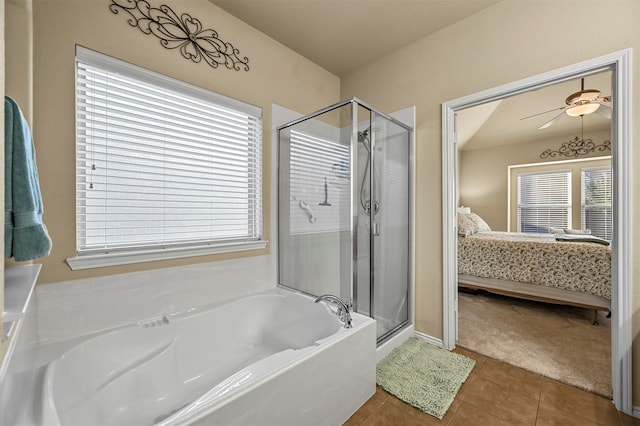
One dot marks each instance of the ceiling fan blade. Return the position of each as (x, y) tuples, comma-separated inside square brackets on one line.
[(540, 113), (550, 122), (604, 111)]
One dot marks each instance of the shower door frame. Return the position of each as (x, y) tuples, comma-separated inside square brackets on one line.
[(373, 199), (355, 102)]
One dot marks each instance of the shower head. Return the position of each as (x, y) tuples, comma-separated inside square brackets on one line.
[(364, 136)]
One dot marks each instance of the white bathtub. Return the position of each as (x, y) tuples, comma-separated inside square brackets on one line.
[(273, 358)]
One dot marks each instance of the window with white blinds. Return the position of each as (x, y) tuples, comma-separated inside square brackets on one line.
[(319, 182), (544, 201), (161, 164), (597, 214)]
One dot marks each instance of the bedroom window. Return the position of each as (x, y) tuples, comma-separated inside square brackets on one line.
[(596, 211), (544, 201), (164, 169)]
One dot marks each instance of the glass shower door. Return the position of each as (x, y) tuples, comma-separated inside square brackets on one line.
[(389, 216), (344, 210), (314, 204)]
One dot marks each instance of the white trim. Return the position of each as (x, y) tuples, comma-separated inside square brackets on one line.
[(449, 227), (430, 339), (128, 257), (622, 254), (621, 339), (551, 163), (636, 412)]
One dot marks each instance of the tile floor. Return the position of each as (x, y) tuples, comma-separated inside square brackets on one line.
[(499, 394)]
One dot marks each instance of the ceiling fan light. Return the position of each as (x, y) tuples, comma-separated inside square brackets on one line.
[(583, 109), (590, 95)]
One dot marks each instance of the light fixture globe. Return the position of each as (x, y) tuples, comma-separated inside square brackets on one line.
[(582, 102), (582, 109)]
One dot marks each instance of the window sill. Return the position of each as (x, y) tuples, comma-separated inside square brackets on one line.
[(91, 261)]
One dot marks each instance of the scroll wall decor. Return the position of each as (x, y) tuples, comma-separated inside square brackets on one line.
[(576, 147), (182, 32)]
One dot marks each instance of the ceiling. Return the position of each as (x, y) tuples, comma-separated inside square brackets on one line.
[(344, 35), (501, 123)]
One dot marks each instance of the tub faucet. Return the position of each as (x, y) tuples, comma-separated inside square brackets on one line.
[(343, 308)]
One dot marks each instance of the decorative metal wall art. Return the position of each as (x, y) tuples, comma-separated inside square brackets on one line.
[(576, 147), (182, 32)]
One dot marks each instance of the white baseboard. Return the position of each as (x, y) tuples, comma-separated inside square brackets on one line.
[(429, 339), (635, 412), (395, 341)]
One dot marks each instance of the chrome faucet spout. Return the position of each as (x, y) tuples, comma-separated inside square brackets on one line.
[(343, 309)]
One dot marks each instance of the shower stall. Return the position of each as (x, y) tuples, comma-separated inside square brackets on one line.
[(344, 210)]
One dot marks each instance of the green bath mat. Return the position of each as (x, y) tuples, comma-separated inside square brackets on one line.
[(424, 375)]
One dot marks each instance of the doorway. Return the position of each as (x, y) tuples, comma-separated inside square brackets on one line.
[(619, 65)]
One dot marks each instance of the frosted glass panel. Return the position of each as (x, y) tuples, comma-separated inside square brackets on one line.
[(390, 230), (315, 206), (344, 210)]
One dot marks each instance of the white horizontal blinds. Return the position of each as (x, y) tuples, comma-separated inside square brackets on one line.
[(544, 201), (313, 161), (159, 167), (597, 214)]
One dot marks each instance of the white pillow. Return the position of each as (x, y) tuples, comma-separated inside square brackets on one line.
[(481, 225), (466, 226)]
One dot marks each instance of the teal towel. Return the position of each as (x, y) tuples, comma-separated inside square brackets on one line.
[(25, 236)]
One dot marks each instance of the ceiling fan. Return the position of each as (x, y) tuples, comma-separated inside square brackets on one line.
[(579, 104)]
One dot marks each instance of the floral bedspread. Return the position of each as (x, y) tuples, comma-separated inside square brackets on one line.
[(537, 259)]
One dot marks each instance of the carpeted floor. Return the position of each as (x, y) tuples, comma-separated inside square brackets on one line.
[(555, 341)]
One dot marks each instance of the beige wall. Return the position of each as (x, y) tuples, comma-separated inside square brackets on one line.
[(276, 75), (3, 345), (18, 60), (507, 42), (484, 174)]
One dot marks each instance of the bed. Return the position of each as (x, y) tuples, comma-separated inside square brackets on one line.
[(565, 269)]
